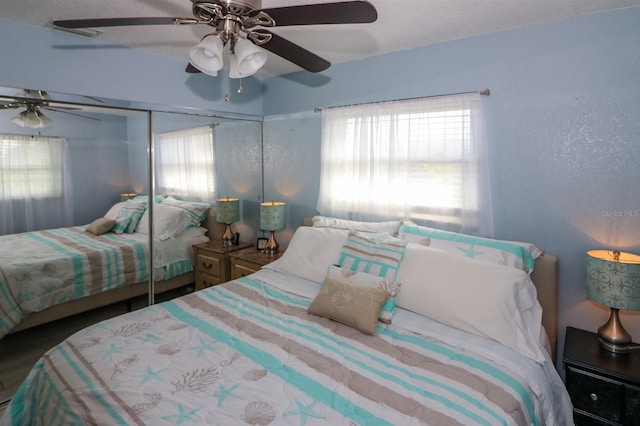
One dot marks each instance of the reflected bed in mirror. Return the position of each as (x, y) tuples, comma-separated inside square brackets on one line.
[(102, 148)]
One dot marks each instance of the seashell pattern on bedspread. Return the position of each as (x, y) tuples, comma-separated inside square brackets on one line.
[(246, 352)]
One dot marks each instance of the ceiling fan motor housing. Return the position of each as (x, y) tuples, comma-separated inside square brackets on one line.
[(241, 6)]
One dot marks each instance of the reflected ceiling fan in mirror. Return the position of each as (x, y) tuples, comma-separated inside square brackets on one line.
[(34, 101), (237, 39)]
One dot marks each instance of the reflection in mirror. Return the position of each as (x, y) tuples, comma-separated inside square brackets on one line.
[(88, 164)]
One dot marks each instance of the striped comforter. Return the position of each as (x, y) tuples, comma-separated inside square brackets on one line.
[(44, 268), (247, 352)]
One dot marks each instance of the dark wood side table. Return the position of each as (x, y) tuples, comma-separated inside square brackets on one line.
[(212, 262), (250, 260), (604, 386)]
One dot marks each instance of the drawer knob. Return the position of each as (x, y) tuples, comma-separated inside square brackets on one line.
[(594, 397), (207, 265)]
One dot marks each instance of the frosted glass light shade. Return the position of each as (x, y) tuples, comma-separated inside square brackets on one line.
[(207, 55), (228, 210), (272, 216), (32, 118), (248, 59)]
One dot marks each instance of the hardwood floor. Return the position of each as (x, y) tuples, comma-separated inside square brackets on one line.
[(20, 351)]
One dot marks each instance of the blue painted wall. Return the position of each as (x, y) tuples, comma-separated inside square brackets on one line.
[(563, 122), (55, 61)]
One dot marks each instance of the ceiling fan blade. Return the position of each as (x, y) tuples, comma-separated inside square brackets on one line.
[(61, 107), (118, 22), (293, 53), (191, 69), (10, 105), (347, 12), (71, 113)]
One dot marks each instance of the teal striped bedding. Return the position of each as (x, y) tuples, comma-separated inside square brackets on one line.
[(247, 352), (45, 268)]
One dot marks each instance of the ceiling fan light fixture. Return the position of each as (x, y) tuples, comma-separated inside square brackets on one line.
[(249, 57), (207, 56), (32, 118)]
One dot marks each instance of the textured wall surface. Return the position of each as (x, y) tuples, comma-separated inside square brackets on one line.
[(563, 127)]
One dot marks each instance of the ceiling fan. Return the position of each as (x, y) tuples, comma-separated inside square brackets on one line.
[(34, 101), (231, 18)]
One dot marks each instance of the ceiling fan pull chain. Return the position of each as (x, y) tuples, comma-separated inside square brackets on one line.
[(227, 54), (240, 89)]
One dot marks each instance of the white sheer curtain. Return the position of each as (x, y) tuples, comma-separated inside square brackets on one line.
[(36, 190), (185, 163), (424, 159)]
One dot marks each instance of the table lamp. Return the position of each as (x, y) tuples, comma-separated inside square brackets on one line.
[(227, 211), (128, 196), (272, 219), (613, 280)]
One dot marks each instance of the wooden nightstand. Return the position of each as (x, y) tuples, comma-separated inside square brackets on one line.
[(248, 261), (212, 262), (604, 387)]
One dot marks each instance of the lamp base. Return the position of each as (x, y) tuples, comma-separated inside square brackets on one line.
[(227, 238), (613, 336), (271, 248)]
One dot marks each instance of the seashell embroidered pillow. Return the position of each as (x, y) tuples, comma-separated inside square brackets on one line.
[(353, 305), (371, 281)]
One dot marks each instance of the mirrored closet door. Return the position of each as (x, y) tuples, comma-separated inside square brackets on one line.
[(72, 163)]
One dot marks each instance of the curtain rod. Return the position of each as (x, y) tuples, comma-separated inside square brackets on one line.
[(485, 92)]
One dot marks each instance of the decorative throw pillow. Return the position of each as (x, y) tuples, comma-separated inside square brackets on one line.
[(508, 253), (376, 254), (129, 217), (100, 226), (369, 281), (350, 304)]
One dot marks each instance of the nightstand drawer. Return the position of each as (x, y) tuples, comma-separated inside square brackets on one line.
[(206, 280), (209, 265), (240, 268), (633, 402), (596, 395)]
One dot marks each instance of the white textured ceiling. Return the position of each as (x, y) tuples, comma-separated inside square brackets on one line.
[(401, 24)]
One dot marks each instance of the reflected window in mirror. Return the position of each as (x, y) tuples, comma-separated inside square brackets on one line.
[(185, 164)]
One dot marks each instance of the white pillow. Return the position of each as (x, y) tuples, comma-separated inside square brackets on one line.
[(168, 221), (391, 226), (196, 211), (502, 252), (113, 212), (310, 252), (477, 297)]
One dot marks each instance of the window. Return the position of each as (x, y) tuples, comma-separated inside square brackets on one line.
[(423, 158), (31, 167), (184, 163)]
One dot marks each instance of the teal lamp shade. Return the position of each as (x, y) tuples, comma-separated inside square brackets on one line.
[(613, 280), (272, 219), (227, 211)]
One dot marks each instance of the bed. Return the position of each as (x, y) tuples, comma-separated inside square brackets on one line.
[(51, 274), (308, 340)]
